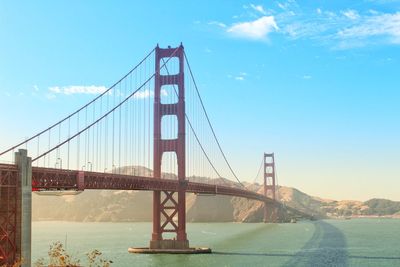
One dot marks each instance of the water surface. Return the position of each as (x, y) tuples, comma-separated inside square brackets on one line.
[(356, 242)]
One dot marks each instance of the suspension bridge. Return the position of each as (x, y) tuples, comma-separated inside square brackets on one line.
[(149, 131)]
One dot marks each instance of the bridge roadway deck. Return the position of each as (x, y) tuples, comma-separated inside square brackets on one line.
[(59, 179)]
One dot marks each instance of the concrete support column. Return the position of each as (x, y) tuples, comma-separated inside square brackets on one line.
[(24, 206)]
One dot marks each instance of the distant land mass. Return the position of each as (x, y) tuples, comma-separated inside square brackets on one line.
[(136, 206)]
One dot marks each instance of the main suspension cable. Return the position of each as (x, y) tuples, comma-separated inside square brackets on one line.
[(80, 109), (259, 169), (192, 129), (105, 115)]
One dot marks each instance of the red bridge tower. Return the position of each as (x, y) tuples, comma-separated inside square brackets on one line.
[(270, 213), (167, 205)]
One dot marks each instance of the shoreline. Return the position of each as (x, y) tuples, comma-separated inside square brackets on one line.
[(366, 217), (329, 218)]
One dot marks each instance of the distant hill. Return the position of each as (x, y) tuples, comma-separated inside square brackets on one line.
[(382, 207), (123, 206)]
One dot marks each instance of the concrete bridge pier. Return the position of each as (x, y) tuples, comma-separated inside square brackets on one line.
[(24, 207)]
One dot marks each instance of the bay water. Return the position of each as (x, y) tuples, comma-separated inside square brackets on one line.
[(355, 242)]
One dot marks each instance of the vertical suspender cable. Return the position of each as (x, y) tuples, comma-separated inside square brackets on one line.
[(209, 122)]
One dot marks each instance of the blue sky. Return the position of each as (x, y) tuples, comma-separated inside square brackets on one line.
[(317, 83)]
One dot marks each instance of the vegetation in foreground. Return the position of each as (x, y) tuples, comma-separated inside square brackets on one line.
[(58, 256)]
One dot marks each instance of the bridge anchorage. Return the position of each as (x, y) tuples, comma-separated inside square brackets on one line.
[(94, 146)]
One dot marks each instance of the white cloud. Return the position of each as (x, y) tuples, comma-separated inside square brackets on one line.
[(343, 29), (217, 23), (351, 14), (144, 94), (77, 89), (283, 6), (240, 77), (380, 25), (330, 14), (373, 12), (307, 77), (257, 29), (148, 93), (301, 29), (258, 8), (55, 89)]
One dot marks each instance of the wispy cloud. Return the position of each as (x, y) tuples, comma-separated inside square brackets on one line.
[(283, 6), (50, 96), (240, 77), (384, 25), (338, 29), (144, 94), (217, 23), (297, 30), (351, 14), (148, 93), (92, 89), (259, 8), (257, 29), (343, 29), (77, 89)]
